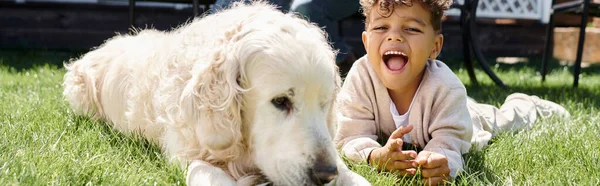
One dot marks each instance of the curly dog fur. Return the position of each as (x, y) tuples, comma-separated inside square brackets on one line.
[(243, 96)]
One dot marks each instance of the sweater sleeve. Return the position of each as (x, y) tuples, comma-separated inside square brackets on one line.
[(356, 132), (450, 128)]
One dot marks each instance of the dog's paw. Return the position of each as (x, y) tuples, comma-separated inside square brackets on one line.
[(202, 173)]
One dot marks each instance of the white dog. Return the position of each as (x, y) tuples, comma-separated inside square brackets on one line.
[(245, 95)]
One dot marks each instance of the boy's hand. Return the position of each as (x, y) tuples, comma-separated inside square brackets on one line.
[(391, 157), (434, 167)]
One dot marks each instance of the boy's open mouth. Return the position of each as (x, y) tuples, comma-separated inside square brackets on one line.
[(395, 60)]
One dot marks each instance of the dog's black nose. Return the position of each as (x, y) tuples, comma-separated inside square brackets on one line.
[(323, 173)]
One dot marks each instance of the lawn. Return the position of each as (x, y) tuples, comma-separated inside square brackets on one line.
[(43, 143)]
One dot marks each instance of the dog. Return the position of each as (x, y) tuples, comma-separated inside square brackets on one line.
[(243, 96)]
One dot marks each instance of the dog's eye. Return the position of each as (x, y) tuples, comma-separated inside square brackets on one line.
[(282, 103)]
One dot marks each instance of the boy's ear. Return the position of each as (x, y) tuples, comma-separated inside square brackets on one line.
[(437, 46), (364, 40)]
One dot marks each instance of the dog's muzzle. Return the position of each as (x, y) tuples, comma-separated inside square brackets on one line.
[(322, 173)]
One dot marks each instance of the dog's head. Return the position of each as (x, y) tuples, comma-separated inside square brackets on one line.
[(270, 91)]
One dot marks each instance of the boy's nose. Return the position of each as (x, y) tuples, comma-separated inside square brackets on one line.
[(395, 38)]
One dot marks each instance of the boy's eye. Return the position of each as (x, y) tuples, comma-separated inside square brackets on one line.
[(413, 30), (380, 28)]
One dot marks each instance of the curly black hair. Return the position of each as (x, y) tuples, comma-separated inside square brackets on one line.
[(386, 8)]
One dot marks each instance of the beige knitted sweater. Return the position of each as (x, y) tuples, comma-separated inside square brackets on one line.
[(439, 114)]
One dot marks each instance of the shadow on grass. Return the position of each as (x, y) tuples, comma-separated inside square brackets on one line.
[(138, 146), (534, 63), (135, 146), (491, 94), (476, 171), (21, 60)]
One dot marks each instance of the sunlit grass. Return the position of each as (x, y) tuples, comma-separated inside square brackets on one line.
[(43, 143)]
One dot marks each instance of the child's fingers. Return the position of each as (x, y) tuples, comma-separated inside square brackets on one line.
[(396, 134), (410, 153), (435, 160), (399, 165), (422, 158), (394, 145), (401, 131), (443, 171), (403, 155)]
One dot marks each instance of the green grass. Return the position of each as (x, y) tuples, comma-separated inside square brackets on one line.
[(43, 143)]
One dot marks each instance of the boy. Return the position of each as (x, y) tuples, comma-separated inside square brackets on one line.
[(400, 97)]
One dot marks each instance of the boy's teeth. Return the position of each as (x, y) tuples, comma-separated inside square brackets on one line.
[(394, 52)]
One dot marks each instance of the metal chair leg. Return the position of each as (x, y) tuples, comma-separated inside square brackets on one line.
[(475, 45), (548, 46), (196, 4), (467, 47), (482, 62), (131, 14), (582, 27)]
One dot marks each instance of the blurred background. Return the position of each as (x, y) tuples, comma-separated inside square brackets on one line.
[(506, 31), (82, 24)]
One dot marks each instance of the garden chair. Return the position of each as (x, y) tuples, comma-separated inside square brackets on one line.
[(469, 10), (584, 8), (468, 13)]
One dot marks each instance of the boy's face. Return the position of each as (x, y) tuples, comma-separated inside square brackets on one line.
[(398, 46)]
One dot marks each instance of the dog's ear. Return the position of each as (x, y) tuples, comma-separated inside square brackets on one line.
[(332, 115), (216, 100)]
